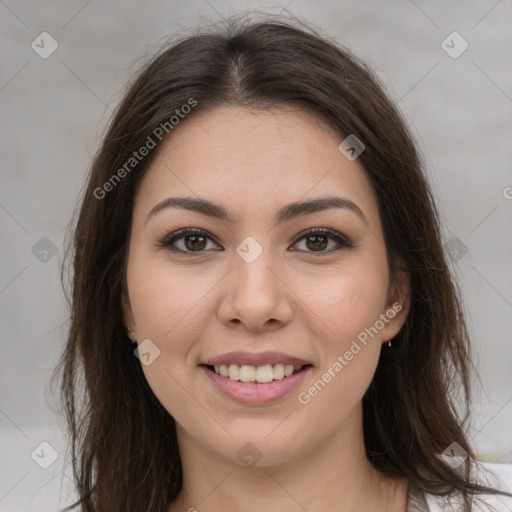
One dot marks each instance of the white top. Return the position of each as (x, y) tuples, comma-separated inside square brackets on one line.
[(500, 477)]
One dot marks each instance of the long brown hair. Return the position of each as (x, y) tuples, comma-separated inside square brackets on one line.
[(421, 385)]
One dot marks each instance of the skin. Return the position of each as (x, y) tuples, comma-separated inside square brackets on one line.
[(308, 302)]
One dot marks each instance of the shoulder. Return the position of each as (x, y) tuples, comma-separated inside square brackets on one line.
[(494, 475)]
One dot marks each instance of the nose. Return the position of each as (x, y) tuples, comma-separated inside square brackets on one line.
[(256, 295)]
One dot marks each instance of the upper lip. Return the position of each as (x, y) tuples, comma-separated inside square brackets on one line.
[(255, 359)]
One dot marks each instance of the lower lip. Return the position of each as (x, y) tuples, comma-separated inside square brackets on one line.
[(252, 393)]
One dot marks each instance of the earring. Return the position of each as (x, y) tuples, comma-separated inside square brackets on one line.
[(389, 343)]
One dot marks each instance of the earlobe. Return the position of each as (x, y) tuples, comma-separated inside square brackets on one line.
[(128, 319), (131, 333)]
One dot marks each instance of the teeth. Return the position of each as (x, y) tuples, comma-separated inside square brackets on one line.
[(262, 374), (278, 371), (234, 372), (265, 373)]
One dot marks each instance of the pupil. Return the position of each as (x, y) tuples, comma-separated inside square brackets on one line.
[(317, 245), (194, 238)]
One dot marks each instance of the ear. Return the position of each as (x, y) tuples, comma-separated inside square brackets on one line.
[(398, 305), (128, 319)]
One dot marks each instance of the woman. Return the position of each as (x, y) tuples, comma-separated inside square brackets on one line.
[(262, 314)]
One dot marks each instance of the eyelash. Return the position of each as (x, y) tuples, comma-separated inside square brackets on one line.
[(168, 240)]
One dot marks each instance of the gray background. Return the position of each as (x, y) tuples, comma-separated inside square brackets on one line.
[(54, 110)]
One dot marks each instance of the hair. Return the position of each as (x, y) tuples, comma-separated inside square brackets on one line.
[(411, 408)]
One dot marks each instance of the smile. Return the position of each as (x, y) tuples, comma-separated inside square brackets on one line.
[(261, 374), (256, 385)]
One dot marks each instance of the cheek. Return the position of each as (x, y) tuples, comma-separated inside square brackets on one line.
[(167, 299), (343, 309), (345, 302), (170, 308), (345, 313)]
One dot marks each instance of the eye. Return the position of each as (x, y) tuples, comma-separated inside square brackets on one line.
[(317, 240), (189, 240), (193, 240)]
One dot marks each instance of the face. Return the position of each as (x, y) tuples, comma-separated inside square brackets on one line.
[(309, 283)]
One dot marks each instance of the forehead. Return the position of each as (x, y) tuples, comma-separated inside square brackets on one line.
[(254, 160)]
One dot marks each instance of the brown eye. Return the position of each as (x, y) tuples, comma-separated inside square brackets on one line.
[(195, 242), (317, 241), (187, 241)]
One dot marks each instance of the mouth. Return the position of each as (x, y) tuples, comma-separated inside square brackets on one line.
[(256, 385), (257, 374)]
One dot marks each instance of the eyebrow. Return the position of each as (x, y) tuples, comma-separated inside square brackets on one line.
[(286, 213)]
